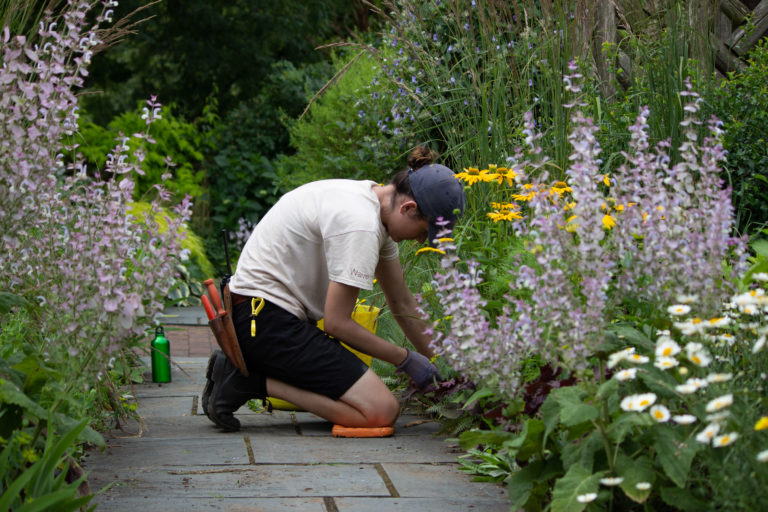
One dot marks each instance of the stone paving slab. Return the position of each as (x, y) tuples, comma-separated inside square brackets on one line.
[(467, 504), (264, 481), (430, 480), (154, 453), (154, 502)]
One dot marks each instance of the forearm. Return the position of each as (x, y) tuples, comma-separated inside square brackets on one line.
[(413, 326), (360, 338)]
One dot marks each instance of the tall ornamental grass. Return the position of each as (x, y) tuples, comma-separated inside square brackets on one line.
[(463, 73)]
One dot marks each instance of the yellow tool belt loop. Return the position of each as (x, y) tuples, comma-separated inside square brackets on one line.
[(257, 303)]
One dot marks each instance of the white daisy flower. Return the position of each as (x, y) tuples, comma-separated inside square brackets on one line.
[(686, 389), (720, 402), (697, 382), (586, 498), (686, 299), (727, 338), (679, 309), (697, 354), (719, 377), (666, 347), (759, 345), (709, 433), (645, 400), (610, 481), (684, 419), (725, 439), (637, 359), (660, 413), (718, 322), (760, 276), (643, 486), (718, 417), (619, 356), (665, 363), (638, 402), (628, 374), (762, 456), (690, 327)]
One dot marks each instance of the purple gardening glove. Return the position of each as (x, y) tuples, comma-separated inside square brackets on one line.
[(418, 368)]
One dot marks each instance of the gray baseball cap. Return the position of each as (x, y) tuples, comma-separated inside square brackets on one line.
[(439, 194)]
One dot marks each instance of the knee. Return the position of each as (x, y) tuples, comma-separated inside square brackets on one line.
[(384, 412)]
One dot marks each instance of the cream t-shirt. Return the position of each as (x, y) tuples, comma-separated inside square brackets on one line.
[(328, 230)]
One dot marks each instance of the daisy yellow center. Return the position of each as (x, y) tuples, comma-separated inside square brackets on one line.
[(696, 320), (667, 351), (645, 402), (658, 414), (696, 359), (725, 439)]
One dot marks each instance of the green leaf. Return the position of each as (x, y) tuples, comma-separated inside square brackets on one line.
[(576, 482), (529, 443), (493, 438), (581, 452), (477, 395), (550, 414), (675, 453), (682, 499), (573, 410), (635, 471), (624, 424), (608, 388), (10, 300), (11, 394), (521, 484), (632, 336), (760, 247)]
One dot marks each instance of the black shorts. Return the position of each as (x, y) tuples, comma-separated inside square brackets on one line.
[(295, 352)]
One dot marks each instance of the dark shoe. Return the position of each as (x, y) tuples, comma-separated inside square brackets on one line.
[(208, 381), (226, 390)]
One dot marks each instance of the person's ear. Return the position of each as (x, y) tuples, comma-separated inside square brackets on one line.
[(408, 206)]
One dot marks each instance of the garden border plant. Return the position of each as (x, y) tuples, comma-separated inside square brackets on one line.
[(84, 278)]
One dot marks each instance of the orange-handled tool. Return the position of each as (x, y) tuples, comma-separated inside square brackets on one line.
[(210, 313), (215, 299)]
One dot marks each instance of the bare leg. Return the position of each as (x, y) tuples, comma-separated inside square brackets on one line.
[(368, 403)]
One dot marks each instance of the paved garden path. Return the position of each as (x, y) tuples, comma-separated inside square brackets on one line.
[(279, 461)]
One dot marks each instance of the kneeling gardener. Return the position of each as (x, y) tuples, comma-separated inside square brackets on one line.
[(308, 258)]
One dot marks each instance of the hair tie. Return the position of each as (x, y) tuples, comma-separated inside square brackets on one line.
[(410, 170)]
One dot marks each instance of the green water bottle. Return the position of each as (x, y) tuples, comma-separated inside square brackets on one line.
[(161, 357)]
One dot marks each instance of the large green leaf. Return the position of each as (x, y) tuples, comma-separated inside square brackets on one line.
[(682, 499), (550, 414), (573, 410), (635, 471), (632, 336), (581, 452), (624, 424), (521, 483), (675, 453), (529, 443), (576, 482)]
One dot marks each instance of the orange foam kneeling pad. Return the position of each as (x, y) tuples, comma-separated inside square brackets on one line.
[(340, 431)]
